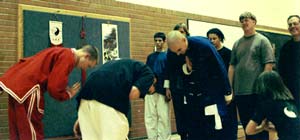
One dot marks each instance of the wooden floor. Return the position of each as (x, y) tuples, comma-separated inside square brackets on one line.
[(241, 136)]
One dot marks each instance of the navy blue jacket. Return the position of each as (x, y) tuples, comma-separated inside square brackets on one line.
[(289, 68), (209, 72), (111, 83), (157, 61), (174, 73)]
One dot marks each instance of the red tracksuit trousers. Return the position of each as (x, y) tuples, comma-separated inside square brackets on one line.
[(25, 121)]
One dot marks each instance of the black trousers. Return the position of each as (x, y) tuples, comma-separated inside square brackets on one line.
[(200, 126), (192, 124), (180, 110), (230, 122), (246, 107)]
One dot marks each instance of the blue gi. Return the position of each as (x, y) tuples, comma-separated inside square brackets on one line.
[(175, 75), (157, 62), (207, 85)]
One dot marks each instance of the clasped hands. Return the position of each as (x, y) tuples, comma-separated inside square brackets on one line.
[(74, 89)]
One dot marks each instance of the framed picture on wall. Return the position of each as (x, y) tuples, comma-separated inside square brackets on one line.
[(110, 48)]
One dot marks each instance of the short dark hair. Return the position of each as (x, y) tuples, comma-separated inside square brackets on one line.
[(291, 16), (216, 31), (93, 51), (247, 15), (269, 85), (160, 35), (183, 26)]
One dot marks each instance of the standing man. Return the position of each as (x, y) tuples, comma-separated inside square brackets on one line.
[(289, 59), (104, 99), (157, 118), (216, 36), (251, 55), (206, 83), (26, 82)]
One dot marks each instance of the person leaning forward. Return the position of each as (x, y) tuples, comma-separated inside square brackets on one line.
[(27, 80), (204, 70), (104, 99)]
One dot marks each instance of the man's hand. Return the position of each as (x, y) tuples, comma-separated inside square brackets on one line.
[(76, 129), (269, 126), (134, 93), (168, 95), (74, 89), (152, 87)]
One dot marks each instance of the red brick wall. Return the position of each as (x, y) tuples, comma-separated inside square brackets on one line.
[(8, 53), (145, 21)]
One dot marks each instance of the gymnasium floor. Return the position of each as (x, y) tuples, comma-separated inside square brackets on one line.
[(241, 135)]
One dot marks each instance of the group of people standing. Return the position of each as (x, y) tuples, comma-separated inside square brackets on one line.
[(207, 99), (193, 74), (206, 81)]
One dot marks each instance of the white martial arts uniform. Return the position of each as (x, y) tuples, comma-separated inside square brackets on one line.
[(157, 118), (101, 122)]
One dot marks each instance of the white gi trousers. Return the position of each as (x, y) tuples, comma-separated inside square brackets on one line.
[(157, 118), (98, 121)]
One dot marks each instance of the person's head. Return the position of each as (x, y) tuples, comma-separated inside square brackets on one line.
[(159, 40), (177, 42), (248, 21), (87, 57), (293, 22), (216, 37), (269, 85), (135, 95), (181, 27)]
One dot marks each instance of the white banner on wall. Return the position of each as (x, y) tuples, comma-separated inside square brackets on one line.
[(110, 46), (231, 33), (55, 32)]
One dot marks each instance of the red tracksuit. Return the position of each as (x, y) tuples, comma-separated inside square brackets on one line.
[(26, 82)]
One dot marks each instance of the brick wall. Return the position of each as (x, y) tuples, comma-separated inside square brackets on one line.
[(145, 21), (8, 53)]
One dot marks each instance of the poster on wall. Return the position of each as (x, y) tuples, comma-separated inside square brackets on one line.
[(110, 48), (55, 32)]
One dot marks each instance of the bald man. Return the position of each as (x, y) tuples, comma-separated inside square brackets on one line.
[(207, 85)]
